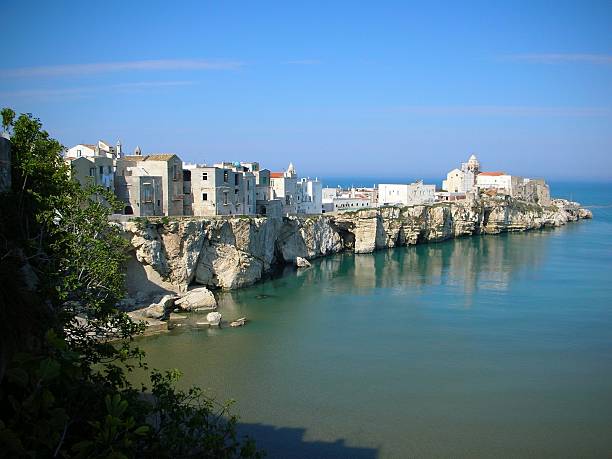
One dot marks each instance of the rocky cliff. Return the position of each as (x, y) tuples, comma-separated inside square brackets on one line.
[(234, 252)]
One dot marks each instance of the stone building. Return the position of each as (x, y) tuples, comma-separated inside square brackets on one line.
[(142, 194), (93, 170), (536, 190), (219, 190), (249, 176), (168, 167)]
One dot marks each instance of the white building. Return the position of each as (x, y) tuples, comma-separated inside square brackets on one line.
[(101, 148), (222, 189), (338, 199), (303, 196), (500, 182), (309, 194), (464, 179), (406, 194)]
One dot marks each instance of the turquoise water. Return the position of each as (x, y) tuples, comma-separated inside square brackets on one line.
[(492, 346)]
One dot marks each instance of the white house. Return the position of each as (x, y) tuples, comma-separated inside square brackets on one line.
[(304, 196), (337, 199), (101, 148), (500, 182), (406, 194), (309, 196)]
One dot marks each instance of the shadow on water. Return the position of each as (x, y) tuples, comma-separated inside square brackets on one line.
[(283, 442)]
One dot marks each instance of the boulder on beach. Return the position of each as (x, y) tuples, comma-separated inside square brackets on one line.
[(213, 318), (197, 299), (160, 309)]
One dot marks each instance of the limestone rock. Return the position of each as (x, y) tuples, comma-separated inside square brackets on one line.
[(160, 309), (197, 299), (236, 251), (302, 262), (213, 318)]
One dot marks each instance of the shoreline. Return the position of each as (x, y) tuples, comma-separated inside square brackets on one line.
[(177, 258)]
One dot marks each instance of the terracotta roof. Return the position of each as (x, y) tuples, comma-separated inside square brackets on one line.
[(277, 174), (160, 157), (492, 174)]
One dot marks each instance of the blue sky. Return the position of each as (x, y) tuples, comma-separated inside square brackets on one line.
[(386, 89)]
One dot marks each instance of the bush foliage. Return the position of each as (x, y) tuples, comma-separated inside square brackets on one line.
[(67, 350)]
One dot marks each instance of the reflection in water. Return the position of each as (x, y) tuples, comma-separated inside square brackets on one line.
[(470, 264)]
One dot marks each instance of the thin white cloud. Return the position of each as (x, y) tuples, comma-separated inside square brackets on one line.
[(304, 62), (86, 90), (111, 67), (502, 110), (555, 58)]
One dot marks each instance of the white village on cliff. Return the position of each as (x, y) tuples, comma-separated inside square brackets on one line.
[(163, 185)]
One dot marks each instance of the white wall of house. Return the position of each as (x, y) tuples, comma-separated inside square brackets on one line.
[(504, 183), (309, 196), (217, 191), (81, 151), (454, 182), (406, 194), (340, 203)]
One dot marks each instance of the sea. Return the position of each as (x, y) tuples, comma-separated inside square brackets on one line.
[(479, 347)]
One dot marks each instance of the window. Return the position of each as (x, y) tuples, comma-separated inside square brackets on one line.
[(236, 191), (236, 178), (248, 185), (204, 175), (287, 200), (248, 199), (204, 196), (78, 153), (147, 193), (158, 203), (92, 171), (225, 198), (175, 172), (109, 169), (225, 176)]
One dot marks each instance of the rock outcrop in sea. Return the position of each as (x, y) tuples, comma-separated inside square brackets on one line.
[(234, 252)]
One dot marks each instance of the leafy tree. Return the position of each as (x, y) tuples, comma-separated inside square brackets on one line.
[(8, 115), (67, 349)]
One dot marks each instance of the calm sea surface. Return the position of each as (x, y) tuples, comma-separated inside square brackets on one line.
[(492, 346)]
